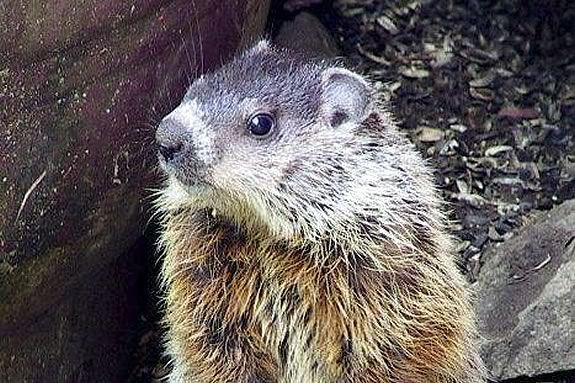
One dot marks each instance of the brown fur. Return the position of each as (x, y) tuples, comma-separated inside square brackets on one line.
[(224, 290)]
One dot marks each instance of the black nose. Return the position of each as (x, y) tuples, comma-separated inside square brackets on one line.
[(169, 139), (169, 151)]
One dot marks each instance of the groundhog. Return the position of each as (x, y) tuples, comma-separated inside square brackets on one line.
[(303, 239)]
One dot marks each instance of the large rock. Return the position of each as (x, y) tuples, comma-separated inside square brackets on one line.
[(306, 33), (81, 84), (526, 303)]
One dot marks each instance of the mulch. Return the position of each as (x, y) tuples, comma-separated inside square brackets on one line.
[(486, 90)]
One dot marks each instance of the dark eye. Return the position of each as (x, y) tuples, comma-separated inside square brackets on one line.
[(260, 124)]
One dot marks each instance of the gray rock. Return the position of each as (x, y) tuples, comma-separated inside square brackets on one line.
[(306, 33), (526, 305)]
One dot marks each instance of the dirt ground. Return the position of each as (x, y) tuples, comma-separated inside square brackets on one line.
[(486, 90)]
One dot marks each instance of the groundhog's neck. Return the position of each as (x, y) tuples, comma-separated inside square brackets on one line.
[(216, 237)]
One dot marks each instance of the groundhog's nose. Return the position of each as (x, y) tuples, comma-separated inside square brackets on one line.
[(169, 139), (168, 151)]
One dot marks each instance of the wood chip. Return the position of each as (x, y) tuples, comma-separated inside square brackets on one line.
[(458, 128), (387, 24), (495, 150), (483, 94), (414, 73), (484, 81), (372, 57), (429, 134), (517, 113)]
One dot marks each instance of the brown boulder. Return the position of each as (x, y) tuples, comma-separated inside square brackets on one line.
[(82, 83)]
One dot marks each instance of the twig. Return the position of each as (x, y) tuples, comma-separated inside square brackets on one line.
[(27, 195)]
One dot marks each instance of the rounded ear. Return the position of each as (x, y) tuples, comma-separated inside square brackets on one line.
[(345, 97)]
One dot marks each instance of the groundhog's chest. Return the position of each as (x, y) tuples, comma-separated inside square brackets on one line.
[(270, 300)]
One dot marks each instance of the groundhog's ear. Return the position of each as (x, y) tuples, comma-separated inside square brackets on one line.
[(345, 96)]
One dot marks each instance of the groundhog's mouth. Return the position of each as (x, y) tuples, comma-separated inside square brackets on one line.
[(188, 175), (183, 194), (191, 185)]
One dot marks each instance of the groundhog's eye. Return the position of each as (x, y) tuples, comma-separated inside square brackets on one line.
[(261, 124)]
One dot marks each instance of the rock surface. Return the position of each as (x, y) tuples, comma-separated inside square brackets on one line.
[(526, 304), (307, 33), (81, 84), (85, 337)]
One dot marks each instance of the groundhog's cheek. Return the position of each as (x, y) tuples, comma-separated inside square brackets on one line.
[(220, 177), (227, 174)]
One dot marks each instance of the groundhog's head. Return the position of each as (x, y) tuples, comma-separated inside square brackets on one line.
[(295, 147)]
